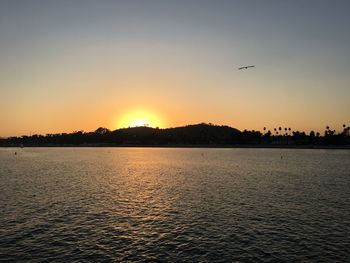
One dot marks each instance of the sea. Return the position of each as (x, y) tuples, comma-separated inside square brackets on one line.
[(174, 205)]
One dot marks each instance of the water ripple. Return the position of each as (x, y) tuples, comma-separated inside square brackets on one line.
[(177, 205)]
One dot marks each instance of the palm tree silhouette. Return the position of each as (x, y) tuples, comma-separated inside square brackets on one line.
[(327, 131)]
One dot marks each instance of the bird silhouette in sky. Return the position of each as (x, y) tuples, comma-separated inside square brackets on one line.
[(246, 67)]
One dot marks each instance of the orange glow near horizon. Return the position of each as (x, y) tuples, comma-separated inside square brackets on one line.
[(138, 117)]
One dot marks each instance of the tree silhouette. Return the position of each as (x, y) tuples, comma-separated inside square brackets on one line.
[(198, 134)]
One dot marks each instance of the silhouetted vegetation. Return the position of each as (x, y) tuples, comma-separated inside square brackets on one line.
[(199, 134)]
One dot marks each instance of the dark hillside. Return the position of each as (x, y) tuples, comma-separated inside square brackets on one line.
[(198, 134)]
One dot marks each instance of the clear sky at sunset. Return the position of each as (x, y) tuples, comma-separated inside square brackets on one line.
[(78, 65)]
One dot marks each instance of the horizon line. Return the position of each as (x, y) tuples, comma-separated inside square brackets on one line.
[(264, 129)]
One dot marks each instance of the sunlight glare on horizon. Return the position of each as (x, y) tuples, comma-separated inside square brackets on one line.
[(137, 118)]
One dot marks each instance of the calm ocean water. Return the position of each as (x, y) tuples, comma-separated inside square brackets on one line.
[(183, 205)]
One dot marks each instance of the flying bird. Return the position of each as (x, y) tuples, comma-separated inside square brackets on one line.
[(246, 67)]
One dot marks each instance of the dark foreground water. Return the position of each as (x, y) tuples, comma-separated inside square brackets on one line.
[(190, 205)]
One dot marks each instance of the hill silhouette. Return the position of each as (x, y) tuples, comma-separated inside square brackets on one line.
[(190, 135)]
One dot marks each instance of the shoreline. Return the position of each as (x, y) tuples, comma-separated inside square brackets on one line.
[(218, 146)]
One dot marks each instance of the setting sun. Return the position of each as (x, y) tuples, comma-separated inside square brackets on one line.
[(139, 117)]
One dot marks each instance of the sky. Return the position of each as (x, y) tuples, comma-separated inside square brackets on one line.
[(78, 65)]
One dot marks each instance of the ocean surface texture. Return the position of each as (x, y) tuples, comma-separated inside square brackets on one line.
[(166, 205)]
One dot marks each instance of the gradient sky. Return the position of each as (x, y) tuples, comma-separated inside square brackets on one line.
[(77, 65)]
